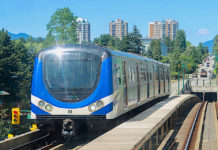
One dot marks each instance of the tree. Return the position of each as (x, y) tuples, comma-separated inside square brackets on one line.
[(111, 43), (135, 42), (49, 40), (156, 49), (194, 53), (62, 26), (8, 63), (180, 41), (170, 44), (131, 42), (215, 47), (103, 40), (16, 65), (215, 50), (29, 39), (125, 47), (149, 53), (202, 49)]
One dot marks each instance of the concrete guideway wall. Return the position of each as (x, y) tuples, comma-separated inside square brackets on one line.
[(147, 129), (19, 140)]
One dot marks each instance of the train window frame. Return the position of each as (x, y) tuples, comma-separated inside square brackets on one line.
[(118, 82), (59, 95)]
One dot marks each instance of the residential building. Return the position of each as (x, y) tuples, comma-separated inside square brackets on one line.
[(118, 28), (83, 30), (146, 42), (162, 29)]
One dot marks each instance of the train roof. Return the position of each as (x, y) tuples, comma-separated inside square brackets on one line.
[(109, 51), (134, 56)]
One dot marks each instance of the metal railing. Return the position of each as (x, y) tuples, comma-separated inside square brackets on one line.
[(202, 82)]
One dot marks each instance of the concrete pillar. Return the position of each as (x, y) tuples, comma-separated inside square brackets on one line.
[(216, 97), (143, 147), (167, 126), (171, 122), (150, 144), (157, 139), (162, 132)]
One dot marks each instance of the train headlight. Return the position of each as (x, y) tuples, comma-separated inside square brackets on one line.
[(92, 108), (48, 107), (100, 104), (41, 103)]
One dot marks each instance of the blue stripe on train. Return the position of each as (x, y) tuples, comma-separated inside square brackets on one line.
[(103, 111), (104, 88), (37, 110)]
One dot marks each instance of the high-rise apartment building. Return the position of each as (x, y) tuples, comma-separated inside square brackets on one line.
[(83, 30), (118, 28), (162, 29)]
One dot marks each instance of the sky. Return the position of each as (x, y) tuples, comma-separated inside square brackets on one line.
[(198, 18)]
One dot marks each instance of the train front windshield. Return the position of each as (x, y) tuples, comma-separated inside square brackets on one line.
[(71, 76)]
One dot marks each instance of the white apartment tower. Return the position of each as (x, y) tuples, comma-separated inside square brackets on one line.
[(83, 30), (162, 29), (118, 28)]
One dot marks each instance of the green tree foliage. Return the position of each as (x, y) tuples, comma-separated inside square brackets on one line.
[(132, 42), (170, 44), (49, 40), (8, 63), (215, 50), (5, 124), (107, 40), (215, 47), (62, 26), (103, 40), (156, 49), (194, 53), (16, 65), (149, 53), (180, 41), (203, 50)]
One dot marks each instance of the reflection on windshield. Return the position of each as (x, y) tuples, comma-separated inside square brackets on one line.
[(71, 71)]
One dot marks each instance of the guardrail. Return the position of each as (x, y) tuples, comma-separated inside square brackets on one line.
[(202, 82)]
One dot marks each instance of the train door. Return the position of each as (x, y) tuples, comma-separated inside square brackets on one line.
[(158, 78), (168, 79), (138, 82), (148, 80), (154, 78), (164, 78), (125, 93)]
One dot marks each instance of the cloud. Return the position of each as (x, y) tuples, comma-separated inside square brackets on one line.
[(203, 31)]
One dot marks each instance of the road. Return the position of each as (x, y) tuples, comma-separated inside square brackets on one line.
[(204, 66)]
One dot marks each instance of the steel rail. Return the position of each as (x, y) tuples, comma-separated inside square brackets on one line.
[(33, 141), (192, 129)]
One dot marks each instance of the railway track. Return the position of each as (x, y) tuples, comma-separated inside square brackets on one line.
[(199, 130), (28, 141)]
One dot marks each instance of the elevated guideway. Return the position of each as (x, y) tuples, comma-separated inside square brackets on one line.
[(147, 130), (205, 89)]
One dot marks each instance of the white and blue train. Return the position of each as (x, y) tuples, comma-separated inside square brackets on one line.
[(87, 81)]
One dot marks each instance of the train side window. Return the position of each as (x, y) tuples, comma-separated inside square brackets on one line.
[(131, 75), (143, 76), (117, 76)]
